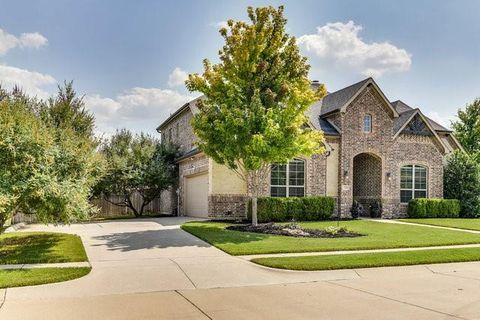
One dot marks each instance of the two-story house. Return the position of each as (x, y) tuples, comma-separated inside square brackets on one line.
[(376, 150)]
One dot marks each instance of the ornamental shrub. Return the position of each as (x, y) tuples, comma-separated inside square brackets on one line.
[(273, 209), (433, 208)]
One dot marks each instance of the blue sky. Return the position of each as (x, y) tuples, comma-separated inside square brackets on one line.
[(122, 54)]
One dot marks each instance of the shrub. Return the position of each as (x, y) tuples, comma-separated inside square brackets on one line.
[(433, 208), (461, 180), (272, 209)]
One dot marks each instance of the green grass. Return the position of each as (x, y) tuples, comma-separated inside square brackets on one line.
[(40, 247), (377, 236), (469, 224), (370, 260), (30, 277)]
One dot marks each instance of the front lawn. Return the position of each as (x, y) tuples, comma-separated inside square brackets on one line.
[(30, 277), (369, 260), (378, 235), (469, 224), (40, 247)]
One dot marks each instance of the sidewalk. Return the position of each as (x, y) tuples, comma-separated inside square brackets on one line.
[(45, 265)]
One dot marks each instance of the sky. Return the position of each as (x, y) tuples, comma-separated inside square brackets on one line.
[(129, 59)]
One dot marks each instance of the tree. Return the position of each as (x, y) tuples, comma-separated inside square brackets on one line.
[(462, 182), (67, 111), (467, 128), (137, 164), (255, 99), (46, 169)]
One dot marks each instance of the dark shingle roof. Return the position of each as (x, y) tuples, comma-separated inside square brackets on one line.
[(335, 100), (327, 128), (402, 107), (400, 121)]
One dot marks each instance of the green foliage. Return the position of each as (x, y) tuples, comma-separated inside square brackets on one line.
[(46, 168), (137, 163), (461, 180), (433, 208), (253, 110), (273, 209), (467, 128)]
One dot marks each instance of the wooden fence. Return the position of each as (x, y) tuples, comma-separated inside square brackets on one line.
[(161, 205), (108, 209)]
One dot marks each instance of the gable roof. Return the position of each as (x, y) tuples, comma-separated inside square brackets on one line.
[(339, 100), (409, 116), (402, 107)]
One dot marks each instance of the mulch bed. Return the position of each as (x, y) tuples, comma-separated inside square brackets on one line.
[(292, 230)]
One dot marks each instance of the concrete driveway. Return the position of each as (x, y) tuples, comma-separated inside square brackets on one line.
[(151, 269)]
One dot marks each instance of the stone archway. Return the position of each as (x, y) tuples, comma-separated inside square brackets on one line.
[(367, 179)]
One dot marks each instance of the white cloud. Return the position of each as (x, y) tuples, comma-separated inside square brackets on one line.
[(26, 40), (32, 40), (138, 109), (340, 43), (31, 82), (177, 78)]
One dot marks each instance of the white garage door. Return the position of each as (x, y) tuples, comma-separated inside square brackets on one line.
[(196, 196)]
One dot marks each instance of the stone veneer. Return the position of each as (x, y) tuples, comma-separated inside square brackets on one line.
[(392, 153)]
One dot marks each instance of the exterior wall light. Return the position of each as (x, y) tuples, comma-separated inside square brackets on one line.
[(389, 176)]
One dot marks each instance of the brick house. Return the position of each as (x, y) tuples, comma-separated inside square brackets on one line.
[(376, 149)]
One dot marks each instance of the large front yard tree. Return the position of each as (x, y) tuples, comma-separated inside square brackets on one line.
[(136, 164), (255, 99)]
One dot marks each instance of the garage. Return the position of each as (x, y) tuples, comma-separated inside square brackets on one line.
[(196, 196)]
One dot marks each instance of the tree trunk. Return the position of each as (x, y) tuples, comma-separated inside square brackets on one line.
[(254, 211)]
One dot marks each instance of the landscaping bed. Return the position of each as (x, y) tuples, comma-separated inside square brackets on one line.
[(295, 230), (377, 235)]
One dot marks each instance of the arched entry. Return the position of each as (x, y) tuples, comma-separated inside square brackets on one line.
[(367, 179)]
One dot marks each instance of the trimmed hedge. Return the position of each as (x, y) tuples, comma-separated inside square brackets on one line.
[(273, 209), (433, 208)]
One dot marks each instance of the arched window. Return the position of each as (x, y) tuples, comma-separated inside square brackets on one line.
[(288, 180), (367, 123), (413, 183)]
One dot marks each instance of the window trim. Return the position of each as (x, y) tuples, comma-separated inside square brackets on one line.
[(287, 182), (370, 123), (413, 189)]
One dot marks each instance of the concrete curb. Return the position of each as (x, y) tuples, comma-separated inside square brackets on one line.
[(44, 265)]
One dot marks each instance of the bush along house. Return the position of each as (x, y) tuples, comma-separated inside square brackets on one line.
[(377, 151)]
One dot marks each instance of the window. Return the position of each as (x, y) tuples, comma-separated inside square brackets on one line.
[(367, 123), (413, 183), (288, 180)]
